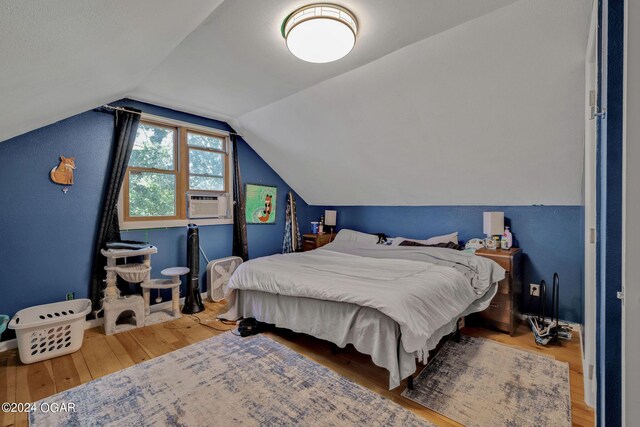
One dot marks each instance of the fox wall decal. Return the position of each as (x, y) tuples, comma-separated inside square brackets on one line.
[(63, 173)]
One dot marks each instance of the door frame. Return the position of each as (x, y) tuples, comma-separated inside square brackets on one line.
[(590, 208), (630, 347)]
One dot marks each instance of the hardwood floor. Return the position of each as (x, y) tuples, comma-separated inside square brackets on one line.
[(101, 355)]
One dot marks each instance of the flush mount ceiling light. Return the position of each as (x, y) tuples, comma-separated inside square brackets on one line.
[(320, 32)]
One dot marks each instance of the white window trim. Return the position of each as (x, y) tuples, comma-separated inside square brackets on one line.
[(172, 223)]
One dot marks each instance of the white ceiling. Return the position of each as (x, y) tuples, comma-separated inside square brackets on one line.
[(237, 60), (60, 58), (487, 113), (434, 93)]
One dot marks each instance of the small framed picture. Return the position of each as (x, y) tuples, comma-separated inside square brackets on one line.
[(260, 203)]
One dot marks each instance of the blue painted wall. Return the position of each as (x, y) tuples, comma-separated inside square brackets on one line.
[(550, 237), (48, 237), (216, 240), (609, 213)]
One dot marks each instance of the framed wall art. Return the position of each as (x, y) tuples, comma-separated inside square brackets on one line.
[(260, 203)]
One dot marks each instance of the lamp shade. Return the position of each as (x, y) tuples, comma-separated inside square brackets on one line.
[(493, 223), (330, 218)]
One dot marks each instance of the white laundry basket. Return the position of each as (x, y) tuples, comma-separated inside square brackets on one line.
[(50, 330)]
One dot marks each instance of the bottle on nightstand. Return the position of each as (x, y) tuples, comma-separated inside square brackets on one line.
[(507, 239)]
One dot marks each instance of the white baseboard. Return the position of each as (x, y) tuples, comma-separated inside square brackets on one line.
[(589, 395), (8, 345), (94, 323)]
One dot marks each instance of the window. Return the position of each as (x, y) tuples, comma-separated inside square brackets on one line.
[(168, 162), (152, 175), (206, 162)]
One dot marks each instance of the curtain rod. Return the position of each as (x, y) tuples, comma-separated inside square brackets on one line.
[(109, 107)]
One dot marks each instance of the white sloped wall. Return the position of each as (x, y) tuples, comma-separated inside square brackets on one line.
[(489, 112)]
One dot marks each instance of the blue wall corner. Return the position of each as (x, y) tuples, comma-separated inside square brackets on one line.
[(216, 240), (550, 237), (48, 236)]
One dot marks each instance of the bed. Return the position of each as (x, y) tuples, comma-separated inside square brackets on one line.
[(393, 303)]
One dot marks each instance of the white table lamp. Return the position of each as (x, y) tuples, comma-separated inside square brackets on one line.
[(493, 223), (330, 219)]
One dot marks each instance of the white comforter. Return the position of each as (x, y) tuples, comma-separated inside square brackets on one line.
[(421, 289)]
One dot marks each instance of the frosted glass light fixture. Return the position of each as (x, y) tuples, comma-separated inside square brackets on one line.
[(320, 32)]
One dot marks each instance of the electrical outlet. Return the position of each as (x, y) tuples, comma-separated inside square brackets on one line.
[(534, 290)]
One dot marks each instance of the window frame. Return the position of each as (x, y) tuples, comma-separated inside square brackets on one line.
[(187, 154), (137, 169), (182, 174)]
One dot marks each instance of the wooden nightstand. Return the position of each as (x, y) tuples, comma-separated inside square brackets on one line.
[(503, 313), (315, 241)]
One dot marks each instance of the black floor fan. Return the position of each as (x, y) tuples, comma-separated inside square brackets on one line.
[(193, 300)]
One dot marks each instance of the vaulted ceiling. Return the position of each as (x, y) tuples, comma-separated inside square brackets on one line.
[(434, 93), (60, 58), (237, 61)]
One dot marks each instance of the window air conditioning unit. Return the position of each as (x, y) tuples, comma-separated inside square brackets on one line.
[(207, 206)]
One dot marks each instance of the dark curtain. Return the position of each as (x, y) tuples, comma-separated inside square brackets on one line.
[(126, 126), (240, 246), (292, 238)]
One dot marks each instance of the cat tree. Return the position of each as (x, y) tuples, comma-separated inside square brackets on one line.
[(135, 308), (173, 284)]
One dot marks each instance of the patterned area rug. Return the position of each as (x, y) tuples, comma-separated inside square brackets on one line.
[(226, 381), (478, 382)]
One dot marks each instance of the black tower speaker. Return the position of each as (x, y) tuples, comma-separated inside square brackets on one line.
[(193, 300)]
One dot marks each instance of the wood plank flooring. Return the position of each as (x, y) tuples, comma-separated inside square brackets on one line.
[(101, 355)]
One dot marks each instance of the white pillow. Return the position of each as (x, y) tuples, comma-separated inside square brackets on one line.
[(346, 235), (445, 238)]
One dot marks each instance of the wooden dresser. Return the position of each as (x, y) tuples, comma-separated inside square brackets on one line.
[(503, 313), (314, 241)]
